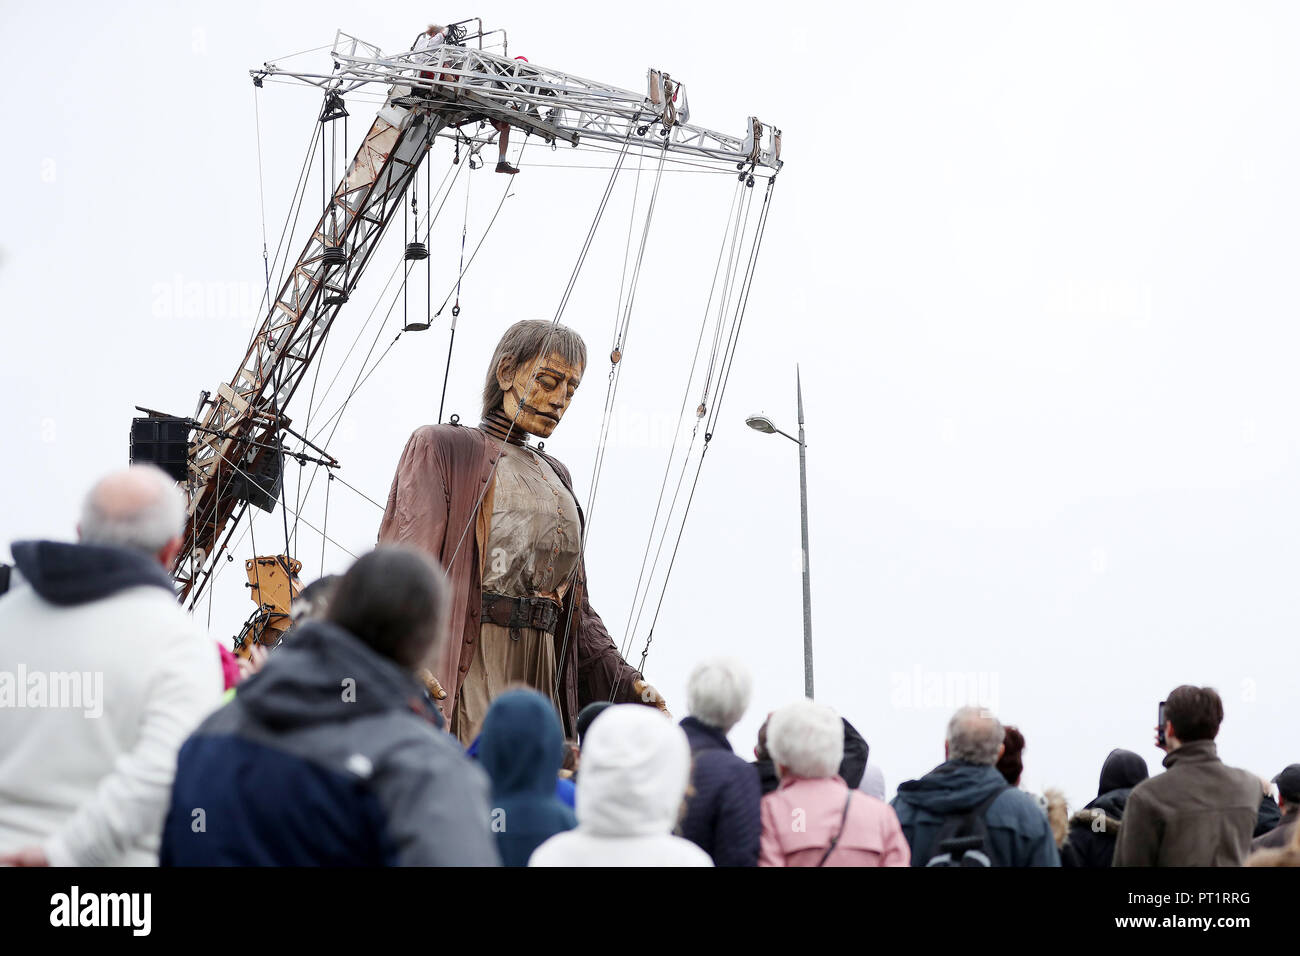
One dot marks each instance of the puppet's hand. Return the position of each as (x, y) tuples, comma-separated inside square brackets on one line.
[(649, 695), (432, 684)]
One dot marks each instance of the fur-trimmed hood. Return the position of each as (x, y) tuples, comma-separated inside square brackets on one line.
[(1058, 814), (1097, 820)]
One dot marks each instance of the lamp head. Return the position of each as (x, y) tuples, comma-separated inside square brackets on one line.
[(761, 424)]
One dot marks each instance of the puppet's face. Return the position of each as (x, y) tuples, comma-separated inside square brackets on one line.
[(539, 403)]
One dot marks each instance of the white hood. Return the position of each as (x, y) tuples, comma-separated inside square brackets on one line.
[(633, 774)]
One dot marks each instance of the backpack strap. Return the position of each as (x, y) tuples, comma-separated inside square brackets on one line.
[(844, 818), (978, 812)]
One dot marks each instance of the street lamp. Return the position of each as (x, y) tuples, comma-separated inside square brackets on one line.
[(761, 423)]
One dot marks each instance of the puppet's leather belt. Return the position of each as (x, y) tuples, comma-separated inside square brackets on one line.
[(539, 613)]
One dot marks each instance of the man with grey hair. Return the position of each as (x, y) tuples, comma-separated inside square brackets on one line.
[(102, 675), (963, 813), (722, 816)]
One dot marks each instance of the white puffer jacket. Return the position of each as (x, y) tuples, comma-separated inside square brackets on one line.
[(631, 780)]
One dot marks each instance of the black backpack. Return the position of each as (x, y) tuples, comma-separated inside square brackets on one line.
[(963, 840)]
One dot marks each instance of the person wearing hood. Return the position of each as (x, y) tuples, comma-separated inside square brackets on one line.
[(852, 766), (722, 809), (587, 715), (968, 781), (1093, 830), (635, 767), (329, 756), (522, 748), (873, 782), (814, 818), (102, 675)]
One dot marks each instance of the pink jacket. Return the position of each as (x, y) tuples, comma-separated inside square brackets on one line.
[(802, 816)]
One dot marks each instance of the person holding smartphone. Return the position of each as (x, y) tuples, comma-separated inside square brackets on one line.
[(1201, 812)]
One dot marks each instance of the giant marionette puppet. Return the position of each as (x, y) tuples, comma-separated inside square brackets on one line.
[(501, 517)]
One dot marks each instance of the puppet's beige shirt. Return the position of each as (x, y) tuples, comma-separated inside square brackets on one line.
[(533, 547)]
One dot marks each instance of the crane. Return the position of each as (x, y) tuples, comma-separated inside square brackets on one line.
[(237, 447)]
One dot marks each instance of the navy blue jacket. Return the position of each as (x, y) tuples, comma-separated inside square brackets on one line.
[(722, 816), (522, 749), (327, 757)]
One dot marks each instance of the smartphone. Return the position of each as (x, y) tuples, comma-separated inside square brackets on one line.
[(1160, 724)]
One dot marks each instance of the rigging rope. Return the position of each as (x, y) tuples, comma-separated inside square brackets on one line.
[(430, 218), (741, 306), (616, 368), (732, 223), (266, 270), (627, 249), (464, 232), (362, 380), (325, 524), (291, 215), (283, 504), (738, 229), (559, 312), (505, 194), (620, 343)]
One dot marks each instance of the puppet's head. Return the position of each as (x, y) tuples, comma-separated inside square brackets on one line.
[(533, 374)]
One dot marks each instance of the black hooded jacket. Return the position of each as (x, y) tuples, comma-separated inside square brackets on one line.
[(1091, 840), (852, 767)]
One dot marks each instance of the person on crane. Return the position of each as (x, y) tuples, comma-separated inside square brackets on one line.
[(435, 36), (432, 37), (503, 143)]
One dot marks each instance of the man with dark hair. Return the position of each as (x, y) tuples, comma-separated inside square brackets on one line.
[(329, 755), (502, 517), (1199, 812), (1288, 801)]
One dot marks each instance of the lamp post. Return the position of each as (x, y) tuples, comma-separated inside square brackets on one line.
[(762, 424)]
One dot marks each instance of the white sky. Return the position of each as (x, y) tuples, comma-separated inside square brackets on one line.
[(1034, 259)]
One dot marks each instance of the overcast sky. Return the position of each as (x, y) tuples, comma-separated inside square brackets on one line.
[(1036, 261)]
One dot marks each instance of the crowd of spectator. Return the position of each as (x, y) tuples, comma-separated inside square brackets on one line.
[(126, 737)]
